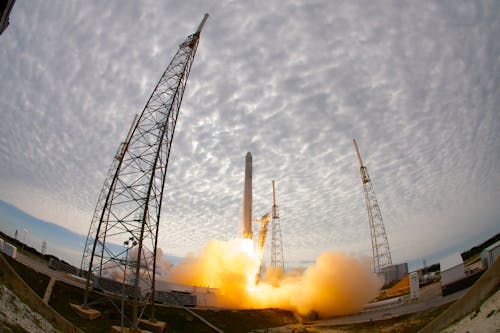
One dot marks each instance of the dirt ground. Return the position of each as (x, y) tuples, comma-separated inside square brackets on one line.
[(486, 318), (405, 323)]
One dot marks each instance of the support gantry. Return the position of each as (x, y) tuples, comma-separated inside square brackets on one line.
[(123, 234), (381, 253), (277, 260)]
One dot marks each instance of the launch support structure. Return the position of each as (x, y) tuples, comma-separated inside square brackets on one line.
[(277, 260), (264, 222), (380, 245), (130, 203)]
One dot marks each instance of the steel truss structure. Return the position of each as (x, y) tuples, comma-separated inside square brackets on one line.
[(129, 205), (277, 260), (380, 245)]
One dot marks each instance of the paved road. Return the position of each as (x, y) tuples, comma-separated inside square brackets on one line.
[(390, 312)]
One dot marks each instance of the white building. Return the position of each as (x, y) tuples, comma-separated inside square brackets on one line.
[(490, 254), (452, 269), (9, 250)]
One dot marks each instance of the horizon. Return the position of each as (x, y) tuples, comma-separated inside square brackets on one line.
[(60, 249)]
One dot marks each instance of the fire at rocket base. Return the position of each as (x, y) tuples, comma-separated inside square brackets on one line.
[(247, 198), (336, 284)]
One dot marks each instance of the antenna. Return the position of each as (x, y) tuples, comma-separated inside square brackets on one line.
[(277, 260), (201, 24)]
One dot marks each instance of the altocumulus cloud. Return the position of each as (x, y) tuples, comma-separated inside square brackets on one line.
[(416, 83)]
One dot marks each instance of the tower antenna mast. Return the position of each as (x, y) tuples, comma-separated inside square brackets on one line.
[(380, 246), (276, 241), (129, 207)]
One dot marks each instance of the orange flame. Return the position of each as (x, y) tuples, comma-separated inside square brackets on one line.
[(336, 284)]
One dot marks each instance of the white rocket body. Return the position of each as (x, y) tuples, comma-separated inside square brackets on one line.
[(247, 198)]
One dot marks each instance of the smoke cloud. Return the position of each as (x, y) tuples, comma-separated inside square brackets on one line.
[(336, 284)]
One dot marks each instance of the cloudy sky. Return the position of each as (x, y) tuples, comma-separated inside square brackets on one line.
[(417, 83)]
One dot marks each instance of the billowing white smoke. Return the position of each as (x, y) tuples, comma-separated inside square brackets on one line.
[(336, 284)]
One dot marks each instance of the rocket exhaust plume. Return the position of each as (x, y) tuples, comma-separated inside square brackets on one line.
[(247, 198), (336, 284)]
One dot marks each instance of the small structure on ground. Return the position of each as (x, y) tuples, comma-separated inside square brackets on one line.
[(489, 255), (394, 273), (452, 269), (414, 285)]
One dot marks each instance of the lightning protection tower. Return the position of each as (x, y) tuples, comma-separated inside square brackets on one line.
[(380, 246), (276, 244), (129, 206)]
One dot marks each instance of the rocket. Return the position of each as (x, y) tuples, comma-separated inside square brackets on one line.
[(247, 198)]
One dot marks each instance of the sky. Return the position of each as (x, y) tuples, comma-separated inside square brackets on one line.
[(417, 84)]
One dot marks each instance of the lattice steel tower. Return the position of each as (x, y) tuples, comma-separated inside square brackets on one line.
[(380, 245), (276, 243), (129, 206)]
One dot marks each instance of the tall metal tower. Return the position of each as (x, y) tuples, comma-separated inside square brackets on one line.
[(276, 244), (129, 206), (94, 224), (380, 245)]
